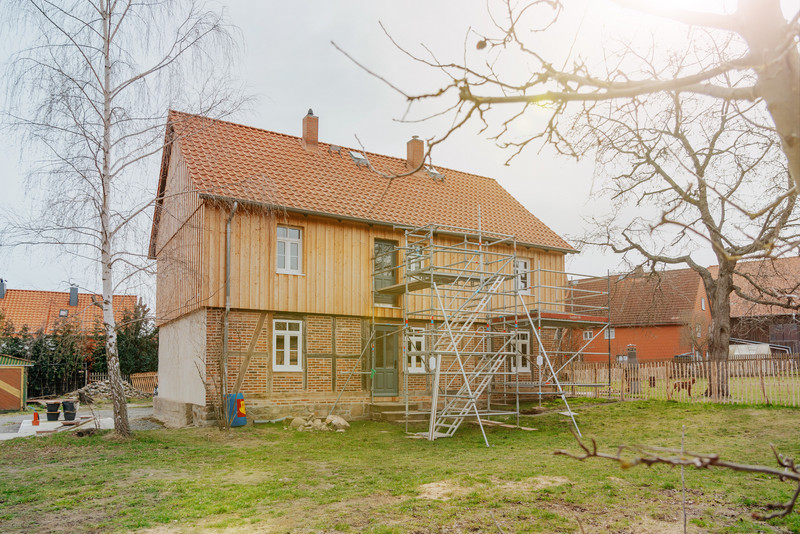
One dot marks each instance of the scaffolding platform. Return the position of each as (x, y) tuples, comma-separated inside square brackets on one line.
[(475, 315)]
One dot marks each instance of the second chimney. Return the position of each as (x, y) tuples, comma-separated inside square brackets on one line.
[(415, 150), (2, 288), (73, 295), (310, 131)]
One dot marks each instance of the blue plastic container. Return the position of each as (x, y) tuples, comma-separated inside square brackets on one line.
[(236, 412)]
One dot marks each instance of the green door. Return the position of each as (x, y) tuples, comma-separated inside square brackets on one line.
[(385, 263), (386, 344)]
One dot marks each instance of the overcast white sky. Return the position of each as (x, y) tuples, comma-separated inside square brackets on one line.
[(289, 65)]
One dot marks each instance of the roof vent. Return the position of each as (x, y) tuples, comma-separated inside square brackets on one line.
[(63, 312), (335, 148), (359, 158), (2, 288), (73, 295)]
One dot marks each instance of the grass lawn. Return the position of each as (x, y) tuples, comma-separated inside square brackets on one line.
[(372, 478)]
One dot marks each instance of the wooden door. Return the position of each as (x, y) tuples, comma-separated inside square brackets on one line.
[(386, 345)]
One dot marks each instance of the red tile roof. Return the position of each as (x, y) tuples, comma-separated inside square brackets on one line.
[(40, 310), (664, 297), (780, 274), (244, 163)]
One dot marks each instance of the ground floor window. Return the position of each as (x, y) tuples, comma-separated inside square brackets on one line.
[(520, 362), (287, 338), (415, 350)]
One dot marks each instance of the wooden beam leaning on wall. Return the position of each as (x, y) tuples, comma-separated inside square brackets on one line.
[(246, 361)]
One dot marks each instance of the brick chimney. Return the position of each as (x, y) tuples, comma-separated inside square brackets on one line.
[(310, 131), (415, 150)]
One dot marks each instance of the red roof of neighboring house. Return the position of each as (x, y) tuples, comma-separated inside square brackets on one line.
[(663, 297), (781, 275), (240, 162), (41, 310)]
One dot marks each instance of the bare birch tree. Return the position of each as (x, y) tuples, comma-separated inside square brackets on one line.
[(90, 91)]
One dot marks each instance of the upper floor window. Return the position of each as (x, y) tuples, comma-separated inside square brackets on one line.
[(384, 264), (415, 258), (415, 349), (287, 340), (290, 250), (609, 333), (588, 335), (522, 276), (702, 303), (520, 362)]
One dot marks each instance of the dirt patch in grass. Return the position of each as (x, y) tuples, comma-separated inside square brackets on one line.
[(441, 490), (533, 484)]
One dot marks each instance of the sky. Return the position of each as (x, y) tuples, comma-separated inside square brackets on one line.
[(288, 64)]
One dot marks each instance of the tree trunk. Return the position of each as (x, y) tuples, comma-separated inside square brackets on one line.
[(778, 82), (121, 426), (719, 295)]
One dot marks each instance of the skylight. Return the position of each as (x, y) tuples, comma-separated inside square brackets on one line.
[(433, 173), (359, 158)]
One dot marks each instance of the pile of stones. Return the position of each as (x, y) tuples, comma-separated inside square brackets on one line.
[(102, 390), (329, 424)]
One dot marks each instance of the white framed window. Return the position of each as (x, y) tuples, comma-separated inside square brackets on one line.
[(521, 361), (415, 350), (588, 335), (290, 250), (609, 333), (522, 276), (702, 303), (415, 258), (287, 340), (698, 331)]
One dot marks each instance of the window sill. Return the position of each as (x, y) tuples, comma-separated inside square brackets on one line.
[(289, 272), (388, 306), (293, 370)]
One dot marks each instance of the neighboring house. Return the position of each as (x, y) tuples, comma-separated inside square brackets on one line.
[(660, 315), (762, 323), (13, 382), (42, 311), (306, 220)]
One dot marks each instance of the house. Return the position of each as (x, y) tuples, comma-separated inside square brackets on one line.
[(281, 264), (13, 382), (764, 323), (659, 315), (43, 311)]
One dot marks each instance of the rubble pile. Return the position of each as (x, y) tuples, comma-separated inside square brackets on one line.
[(329, 424), (102, 390)]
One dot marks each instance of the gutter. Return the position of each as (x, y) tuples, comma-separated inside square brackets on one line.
[(224, 358), (399, 226)]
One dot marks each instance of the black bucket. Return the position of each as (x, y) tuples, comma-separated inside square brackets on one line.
[(69, 410), (53, 416), (52, 411)]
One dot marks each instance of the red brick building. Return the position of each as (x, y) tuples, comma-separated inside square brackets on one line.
[(41, 311), (266, 246), (763, 323), (660, 314)]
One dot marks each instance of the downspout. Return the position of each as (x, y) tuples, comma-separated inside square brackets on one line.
[(224, 362)]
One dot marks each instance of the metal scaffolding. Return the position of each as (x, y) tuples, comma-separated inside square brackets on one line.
[(471, 311)]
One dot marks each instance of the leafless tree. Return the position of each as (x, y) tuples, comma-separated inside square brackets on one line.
[(514, 64), (687, 174), (90, 90), (632, 455)]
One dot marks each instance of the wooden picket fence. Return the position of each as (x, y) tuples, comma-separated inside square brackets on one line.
[(750, 380), (146, 382)]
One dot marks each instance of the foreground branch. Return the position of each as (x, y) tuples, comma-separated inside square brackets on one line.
[(648, 455)]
